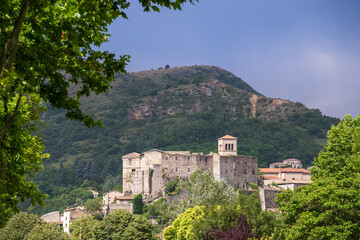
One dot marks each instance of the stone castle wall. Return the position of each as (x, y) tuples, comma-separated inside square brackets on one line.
[(159, 168)]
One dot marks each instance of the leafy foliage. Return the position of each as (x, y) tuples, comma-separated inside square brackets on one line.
[(30, 227), (210, 207), (46, 231), (123, 225), (46, 46), (241, 231), (94, 206), (328, 208), (19, 226), (138, 204), (20, 151)]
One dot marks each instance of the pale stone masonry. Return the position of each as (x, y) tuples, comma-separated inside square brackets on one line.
[(149, 172)]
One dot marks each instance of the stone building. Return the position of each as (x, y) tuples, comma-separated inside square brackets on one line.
[(148, 173), (291, 162), (71, 215), (53, 217)]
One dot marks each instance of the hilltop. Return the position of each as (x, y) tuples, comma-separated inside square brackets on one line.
[(183, 108)]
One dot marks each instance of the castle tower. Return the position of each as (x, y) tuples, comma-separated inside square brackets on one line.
[(227, 145)]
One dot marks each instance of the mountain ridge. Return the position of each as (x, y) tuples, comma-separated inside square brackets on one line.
[(184, 108)]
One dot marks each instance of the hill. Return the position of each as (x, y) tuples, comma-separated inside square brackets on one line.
[(183, 108)]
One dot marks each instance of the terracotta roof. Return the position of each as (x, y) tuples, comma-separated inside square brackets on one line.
[(227, 137), (276, 170), (133, 154), (271, 177)]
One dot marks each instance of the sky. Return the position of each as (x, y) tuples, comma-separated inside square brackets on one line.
[(304, 51)]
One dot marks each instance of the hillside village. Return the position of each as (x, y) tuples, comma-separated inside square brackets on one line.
[(149, 172)]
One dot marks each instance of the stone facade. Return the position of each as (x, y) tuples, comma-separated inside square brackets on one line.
[(71, 215), (53, 217), (291, 162), (149, 172)]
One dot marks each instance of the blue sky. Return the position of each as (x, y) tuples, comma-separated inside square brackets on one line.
[(305, 51)]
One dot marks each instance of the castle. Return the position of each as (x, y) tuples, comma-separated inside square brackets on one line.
[(149, 172)]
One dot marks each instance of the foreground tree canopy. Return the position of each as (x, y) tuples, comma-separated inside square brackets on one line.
[(46, 47), (328, 208), (216, 207), (122, 225), (30, 227)]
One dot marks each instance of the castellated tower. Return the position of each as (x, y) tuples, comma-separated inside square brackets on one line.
[(227, 145)]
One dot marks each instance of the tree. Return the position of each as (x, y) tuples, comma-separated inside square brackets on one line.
[(204, 190), (19, 226), (87, 224), (94, 206), (46, 48), (329, 207), (241, 231), (138, 204), (123, 225), (20, 152), (45, 231), (182, 227)]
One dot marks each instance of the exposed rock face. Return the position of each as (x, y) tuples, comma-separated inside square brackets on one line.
[(195, 98)]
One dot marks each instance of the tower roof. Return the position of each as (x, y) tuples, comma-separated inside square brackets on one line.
[(227, 137)]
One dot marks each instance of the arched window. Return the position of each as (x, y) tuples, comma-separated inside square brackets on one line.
[(226, 146), (232, 146)]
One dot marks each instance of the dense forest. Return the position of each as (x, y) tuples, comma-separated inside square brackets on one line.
[(184, 108)]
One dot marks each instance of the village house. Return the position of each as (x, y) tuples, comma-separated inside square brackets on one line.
[(53, 217), (72, 214), (286, 178), (149, 172), (291, 162)]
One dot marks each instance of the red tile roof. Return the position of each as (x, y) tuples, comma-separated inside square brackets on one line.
[(271, 177), (277, 170), (227, 137)]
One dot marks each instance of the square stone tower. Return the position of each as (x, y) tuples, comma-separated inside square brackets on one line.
[(227, 145)]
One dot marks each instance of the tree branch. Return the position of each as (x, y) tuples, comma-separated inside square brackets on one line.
[(11, 121), (37, 50), (8, 55)]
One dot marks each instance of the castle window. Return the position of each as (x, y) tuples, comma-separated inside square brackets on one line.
[(253, 172), (189, 159), (232, 146), (176, 169), (226, 146), (133, 170), (188, 169)]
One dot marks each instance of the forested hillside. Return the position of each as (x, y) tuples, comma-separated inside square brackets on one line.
[(184, 108)]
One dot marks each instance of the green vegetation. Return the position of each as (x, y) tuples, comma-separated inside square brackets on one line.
[(123, 226), (20, 151), (138, 204), (30, 227), (212, 205), (46, 48), (329, 207), (94, 207), (93, 156)]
